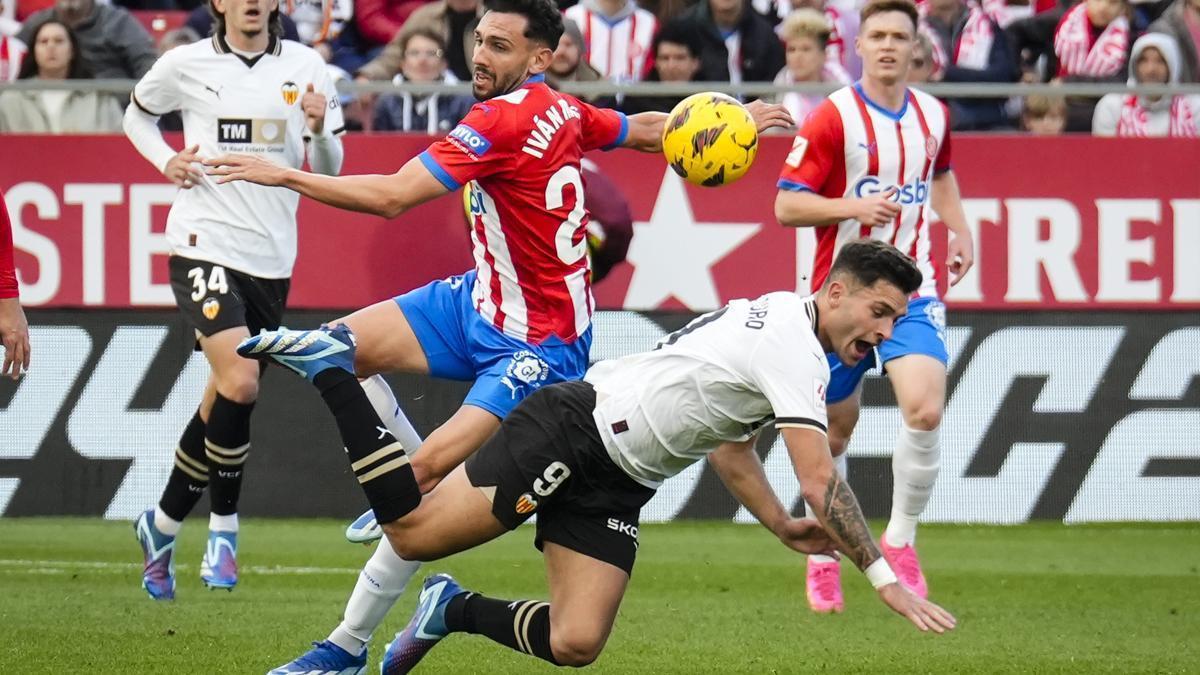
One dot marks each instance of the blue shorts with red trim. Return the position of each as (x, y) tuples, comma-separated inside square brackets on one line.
[(459, 344), (921, 331)]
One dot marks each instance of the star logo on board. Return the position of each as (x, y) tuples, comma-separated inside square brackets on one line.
[(673, 254)]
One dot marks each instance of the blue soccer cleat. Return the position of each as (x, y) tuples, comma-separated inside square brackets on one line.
[(158, 552), (219, 567), (307, 352), (364, 529), (426, 629), (325, 658)]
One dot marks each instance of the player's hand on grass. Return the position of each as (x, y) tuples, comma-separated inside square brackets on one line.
[(769, 115), (313, 105), (250, 168), (181, 169), (806, 536), (923, 613), (14, 330), (960, 255), (877, 210)]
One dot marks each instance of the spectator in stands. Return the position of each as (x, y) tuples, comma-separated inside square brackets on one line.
[(424, 63), (1044, 115), (1032, 39), (110, 41), (805, 33), (842, 30), (56, 56), (379, 21), (976, 49), (1154, 60), (737, 44), (617, 37), (454, 20), (570, 64), (1091, 44), (920, 70), (319, 23), (176, 38), (1182, 22), (676, 59), (12, 50)]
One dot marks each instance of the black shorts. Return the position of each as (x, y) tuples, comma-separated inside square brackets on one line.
[(547, 458), (214, 298)]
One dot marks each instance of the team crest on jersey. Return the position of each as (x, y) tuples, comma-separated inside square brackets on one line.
[(211, 308), (526, 503), (931, 147), (290, 92)]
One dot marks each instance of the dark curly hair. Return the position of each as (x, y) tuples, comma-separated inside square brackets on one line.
[(76, 70), (869, 260), (545, 21)]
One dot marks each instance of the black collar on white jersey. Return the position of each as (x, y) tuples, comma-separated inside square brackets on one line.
[(813, 313), (274, 48)]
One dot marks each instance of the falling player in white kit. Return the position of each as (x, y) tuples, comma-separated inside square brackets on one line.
[(232, 246), (873, 161), (586, 456)]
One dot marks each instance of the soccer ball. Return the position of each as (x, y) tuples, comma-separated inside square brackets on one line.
[(710, 139)]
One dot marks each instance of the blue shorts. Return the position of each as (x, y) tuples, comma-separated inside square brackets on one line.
[(921, 331), (460, 345)]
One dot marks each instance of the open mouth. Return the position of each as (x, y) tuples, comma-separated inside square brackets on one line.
[(481, 78), (253, 12), (862, 348)]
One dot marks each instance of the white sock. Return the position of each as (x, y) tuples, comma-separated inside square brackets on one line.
[(839, 463), (227, 523), (914, 469), (379, 586), (166, 524), (384, 401)]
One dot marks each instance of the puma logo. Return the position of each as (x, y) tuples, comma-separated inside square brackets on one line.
[(216, 92)]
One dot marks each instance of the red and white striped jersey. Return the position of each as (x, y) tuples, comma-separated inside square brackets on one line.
[(620, 49), (849, 147), (520, 153)]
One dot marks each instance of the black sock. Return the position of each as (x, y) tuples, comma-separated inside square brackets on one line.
[(523, 625), (227, 444), (189, 476), (376, 457)]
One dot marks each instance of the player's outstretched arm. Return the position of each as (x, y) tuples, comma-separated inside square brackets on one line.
[(946, 201), (382, 195), (837, 508), (742, 473), (646, 129), (804, 208)]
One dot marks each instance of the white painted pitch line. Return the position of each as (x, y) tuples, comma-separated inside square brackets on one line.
[(63, 566)]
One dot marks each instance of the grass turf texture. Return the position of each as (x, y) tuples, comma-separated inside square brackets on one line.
[(705, 597)]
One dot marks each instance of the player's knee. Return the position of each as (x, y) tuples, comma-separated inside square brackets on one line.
[(426, 471), (400, 535), (924, 418), (575, 649), (239, 386), (837, 443)]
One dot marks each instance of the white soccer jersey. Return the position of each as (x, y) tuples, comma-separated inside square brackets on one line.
[(619, 49), (231, 104), (851, 147), (720, 378)]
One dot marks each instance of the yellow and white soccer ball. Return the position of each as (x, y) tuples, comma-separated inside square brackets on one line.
[(710, 139)]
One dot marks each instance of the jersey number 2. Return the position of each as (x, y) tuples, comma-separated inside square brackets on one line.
[(564, 240)]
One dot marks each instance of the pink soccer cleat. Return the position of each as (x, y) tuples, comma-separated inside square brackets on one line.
[(904, 563), (824, 584)]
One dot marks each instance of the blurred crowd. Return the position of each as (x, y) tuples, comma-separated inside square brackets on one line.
[(781, 41)]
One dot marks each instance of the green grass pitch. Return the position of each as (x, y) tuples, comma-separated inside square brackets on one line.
[(705, 598)]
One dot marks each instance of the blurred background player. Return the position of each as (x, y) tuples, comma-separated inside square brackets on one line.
[(873, 161), (14, 329), (232, 246), (587, 456), (520, 320)]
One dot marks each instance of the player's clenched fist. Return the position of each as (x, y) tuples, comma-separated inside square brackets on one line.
[(313, 105), (877, 210), (181, 169)]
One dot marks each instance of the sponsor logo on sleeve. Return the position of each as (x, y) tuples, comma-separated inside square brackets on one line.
[(470, 141)]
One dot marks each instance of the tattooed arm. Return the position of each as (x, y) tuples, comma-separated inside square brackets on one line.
[(837, 508)]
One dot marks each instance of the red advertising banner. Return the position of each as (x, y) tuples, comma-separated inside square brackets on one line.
[(1062, 223)]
